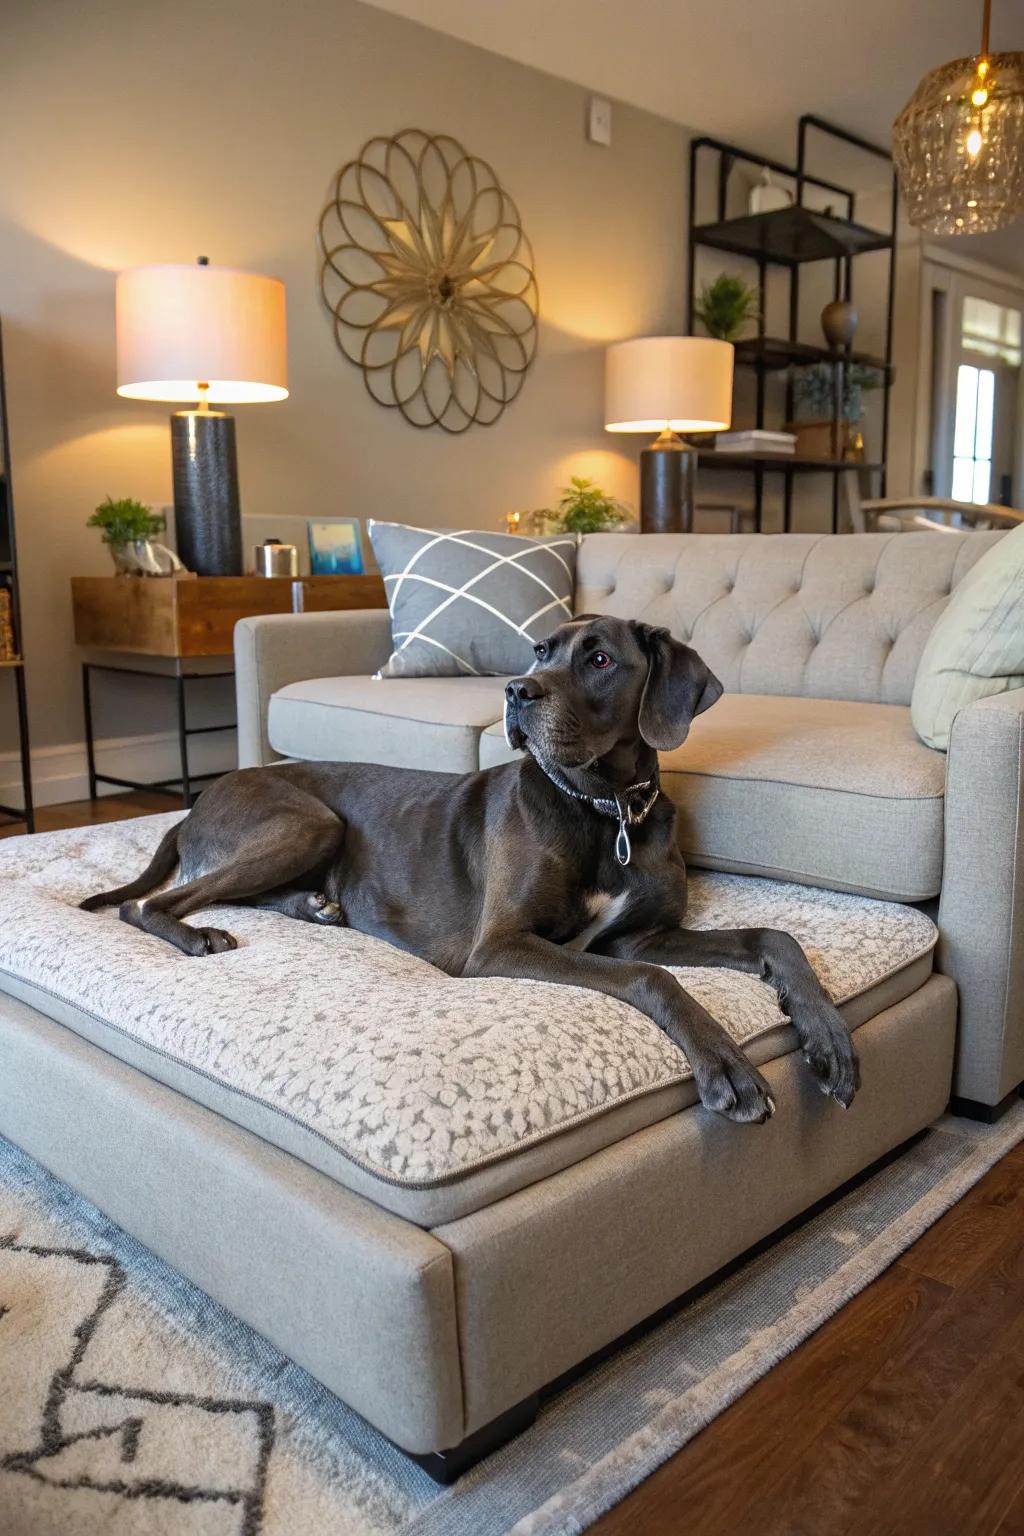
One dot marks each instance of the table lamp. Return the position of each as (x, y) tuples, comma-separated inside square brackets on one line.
[(209, 336), (668, 384)]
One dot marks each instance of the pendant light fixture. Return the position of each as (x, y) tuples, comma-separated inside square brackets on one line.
[(958, 144)]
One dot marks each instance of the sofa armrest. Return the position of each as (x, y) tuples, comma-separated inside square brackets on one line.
[(981, 911), (283, 648)]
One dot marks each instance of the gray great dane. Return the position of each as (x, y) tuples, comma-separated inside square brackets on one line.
[(561, 866)]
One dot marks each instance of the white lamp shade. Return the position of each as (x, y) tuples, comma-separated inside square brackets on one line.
[(183, 327), (681, 382)]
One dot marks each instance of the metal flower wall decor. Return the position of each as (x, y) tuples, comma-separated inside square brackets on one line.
[(429, 280)]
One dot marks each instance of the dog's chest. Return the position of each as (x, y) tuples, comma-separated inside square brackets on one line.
[(601, 910)]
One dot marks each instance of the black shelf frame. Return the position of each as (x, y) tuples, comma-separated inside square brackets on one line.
[(785, 463), (9, 582), (776, 353), (789, 238)]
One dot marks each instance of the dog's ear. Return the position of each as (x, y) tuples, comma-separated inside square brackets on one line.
[(678, 687)]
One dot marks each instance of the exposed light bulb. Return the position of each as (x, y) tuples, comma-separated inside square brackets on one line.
[(959, 140)]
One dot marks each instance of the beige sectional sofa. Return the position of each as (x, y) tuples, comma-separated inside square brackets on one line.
[(440, 1195), (807, 769)]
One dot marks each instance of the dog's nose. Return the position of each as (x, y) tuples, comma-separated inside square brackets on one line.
[(521, 690)]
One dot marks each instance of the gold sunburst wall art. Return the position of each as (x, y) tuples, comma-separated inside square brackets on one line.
[(428, 277)]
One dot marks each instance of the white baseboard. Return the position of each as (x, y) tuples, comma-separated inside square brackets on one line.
[(60, 773)]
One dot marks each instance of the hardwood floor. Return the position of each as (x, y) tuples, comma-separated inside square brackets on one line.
[(82, 813), (902, 1416)]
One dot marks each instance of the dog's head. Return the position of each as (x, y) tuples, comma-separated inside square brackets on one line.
[(598, 682)]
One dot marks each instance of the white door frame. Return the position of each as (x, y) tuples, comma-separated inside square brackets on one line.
[(953, 276)]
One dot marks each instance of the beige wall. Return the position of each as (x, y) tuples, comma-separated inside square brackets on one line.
[(139, 132)]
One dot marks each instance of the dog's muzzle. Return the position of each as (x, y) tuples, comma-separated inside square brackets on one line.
[(520, 693), (513, 730)]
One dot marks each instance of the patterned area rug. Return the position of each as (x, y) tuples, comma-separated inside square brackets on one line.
[(132, 1405)]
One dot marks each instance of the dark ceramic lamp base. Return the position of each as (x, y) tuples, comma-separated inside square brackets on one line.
[(207, 513), (668, 482)]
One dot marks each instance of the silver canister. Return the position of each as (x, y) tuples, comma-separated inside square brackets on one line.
[(276, 559)]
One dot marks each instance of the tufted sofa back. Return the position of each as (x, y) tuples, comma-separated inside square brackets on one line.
[(835, 617)]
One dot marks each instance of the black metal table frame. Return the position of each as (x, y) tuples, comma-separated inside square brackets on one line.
[(9, 582), (27, 812), (182, 785)]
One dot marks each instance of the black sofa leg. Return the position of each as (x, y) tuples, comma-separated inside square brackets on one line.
[(974, 1109), (445, 1466)]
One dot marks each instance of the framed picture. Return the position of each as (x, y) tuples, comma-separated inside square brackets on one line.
[(335, 548)]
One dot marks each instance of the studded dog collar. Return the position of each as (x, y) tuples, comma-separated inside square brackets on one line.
[(623, 807)]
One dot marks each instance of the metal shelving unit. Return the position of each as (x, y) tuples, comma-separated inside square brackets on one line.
[(789, 238), (9, 582)]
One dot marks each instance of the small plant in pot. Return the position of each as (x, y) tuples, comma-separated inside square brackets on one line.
[(582, 508), (129, 528), (726, 306), (814, 410)]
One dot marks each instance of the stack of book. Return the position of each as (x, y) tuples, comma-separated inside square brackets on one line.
[(755, 440)]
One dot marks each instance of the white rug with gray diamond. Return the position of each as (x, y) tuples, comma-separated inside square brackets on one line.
[(132, 1405)]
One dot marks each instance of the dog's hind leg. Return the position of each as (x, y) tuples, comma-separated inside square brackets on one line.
[(159, 867), (292, 847)]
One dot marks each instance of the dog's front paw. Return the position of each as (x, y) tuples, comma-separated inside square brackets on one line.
[(832, 1057), (730, 1086), (216, 941)]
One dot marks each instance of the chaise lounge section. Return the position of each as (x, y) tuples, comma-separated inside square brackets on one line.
[(437, 1195)]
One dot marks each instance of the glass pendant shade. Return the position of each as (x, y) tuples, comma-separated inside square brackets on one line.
[(958, 145)]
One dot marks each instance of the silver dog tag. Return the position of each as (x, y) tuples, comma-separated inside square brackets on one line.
[(623, 847)]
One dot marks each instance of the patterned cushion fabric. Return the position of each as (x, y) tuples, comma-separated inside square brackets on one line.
[(465, 603), (393, 1078)]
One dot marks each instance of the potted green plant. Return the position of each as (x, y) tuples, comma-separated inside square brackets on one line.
[(814, 410), (129, 527), (582, 508), (726, 306)]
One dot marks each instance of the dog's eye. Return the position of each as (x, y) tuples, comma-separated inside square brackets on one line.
[(541, 650), (600, 660)]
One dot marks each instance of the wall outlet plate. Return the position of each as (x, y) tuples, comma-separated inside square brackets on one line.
[(599, 121)]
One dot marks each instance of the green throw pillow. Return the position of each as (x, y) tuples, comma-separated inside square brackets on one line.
[(977, 647)]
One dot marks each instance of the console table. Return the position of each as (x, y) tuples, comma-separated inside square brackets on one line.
[(181, 628)]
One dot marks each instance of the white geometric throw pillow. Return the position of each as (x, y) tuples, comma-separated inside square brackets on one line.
[(470, 604)]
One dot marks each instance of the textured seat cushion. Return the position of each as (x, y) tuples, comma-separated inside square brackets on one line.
[(432, 1095), (835, 793), (832, 793), (432, 722)]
